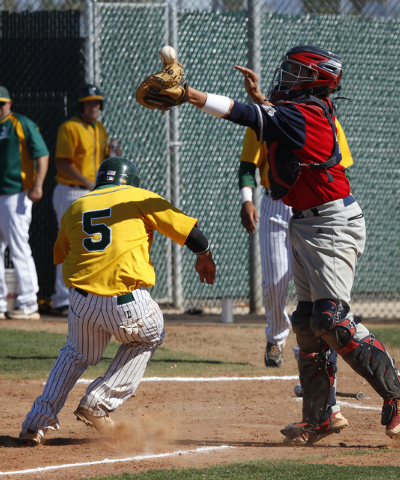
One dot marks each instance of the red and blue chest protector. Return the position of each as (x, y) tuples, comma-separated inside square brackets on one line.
[(301, 130)]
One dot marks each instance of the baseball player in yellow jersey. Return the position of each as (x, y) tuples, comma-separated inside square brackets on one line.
[(82, 145), (24, 159), (104, 244), (275, 246)]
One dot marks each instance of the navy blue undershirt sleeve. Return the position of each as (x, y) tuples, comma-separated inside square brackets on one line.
[(284, 123), (246, 115)]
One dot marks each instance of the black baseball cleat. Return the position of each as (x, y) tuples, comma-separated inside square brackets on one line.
[(302, 433), (273, 355)]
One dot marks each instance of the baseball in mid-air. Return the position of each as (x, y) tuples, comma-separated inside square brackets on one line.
[(167, 54)]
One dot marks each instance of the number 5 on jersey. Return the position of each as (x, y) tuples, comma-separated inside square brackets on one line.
[(101, 229)]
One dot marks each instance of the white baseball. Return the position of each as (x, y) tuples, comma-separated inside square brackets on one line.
[(167, 54)]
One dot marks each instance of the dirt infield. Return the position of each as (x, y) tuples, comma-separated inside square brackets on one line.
[(166, 417)]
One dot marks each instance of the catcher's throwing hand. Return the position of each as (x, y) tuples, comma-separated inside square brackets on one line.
[(164, 89), (205, 267), (249, 216), (251, 85)]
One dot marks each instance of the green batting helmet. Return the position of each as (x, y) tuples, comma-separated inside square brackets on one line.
[(117, 171)]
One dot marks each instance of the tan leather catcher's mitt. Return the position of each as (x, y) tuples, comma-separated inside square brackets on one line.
[(165, 89)]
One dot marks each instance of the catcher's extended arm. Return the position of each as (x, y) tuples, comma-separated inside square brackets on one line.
[(165, 89)]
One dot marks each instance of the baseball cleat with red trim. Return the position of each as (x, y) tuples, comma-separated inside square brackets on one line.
[(391, 415), (302, 433)]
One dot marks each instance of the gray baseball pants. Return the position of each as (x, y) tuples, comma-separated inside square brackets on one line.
[(326, 245)]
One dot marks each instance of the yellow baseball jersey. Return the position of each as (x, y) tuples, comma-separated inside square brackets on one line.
[(84, 144), (256, 152), (105, 238)]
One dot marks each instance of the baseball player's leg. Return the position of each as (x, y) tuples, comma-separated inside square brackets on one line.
[(317, 371), (276, 271), (18, 214), (85, 346), (367, 356), (63, 376), (63, 197), (126, 370), (330, 282)]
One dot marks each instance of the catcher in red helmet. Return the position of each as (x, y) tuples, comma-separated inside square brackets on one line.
[(306, 70), (327, 230)]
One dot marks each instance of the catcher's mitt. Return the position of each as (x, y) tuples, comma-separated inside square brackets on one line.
[(165, 89)]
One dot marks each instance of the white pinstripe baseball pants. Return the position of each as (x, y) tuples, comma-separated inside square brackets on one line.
[(91, 323), (15, 219), (275, 250), (63, 197)]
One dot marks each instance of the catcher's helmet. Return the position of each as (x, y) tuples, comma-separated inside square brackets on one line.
[(90, 92), (312, 69), (117, 171)]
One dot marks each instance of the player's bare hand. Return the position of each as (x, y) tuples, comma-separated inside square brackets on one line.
[(249, 216), (35, 193), (205, 267), (250, 78), (251, 85)]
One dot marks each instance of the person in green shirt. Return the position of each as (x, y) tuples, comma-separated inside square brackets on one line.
[(24, 159)]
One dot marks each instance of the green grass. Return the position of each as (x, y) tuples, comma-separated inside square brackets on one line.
[(28, 355), (267, 470), (388, 336)]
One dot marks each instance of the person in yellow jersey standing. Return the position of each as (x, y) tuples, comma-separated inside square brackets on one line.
[(24, 159), (82, 145), (104, 244)]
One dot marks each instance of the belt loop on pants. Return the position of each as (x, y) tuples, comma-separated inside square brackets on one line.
[(348, 200), (121, 300)]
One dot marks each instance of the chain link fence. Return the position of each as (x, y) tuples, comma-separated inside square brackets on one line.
[(383, 9), (192, 159)]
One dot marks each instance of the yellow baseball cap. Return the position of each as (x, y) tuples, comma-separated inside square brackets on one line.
[(4, 95)]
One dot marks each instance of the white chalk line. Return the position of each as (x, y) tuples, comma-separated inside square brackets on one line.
[(207, 379), (118, 460), (348, 404), (354, 405), (202, 379)]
